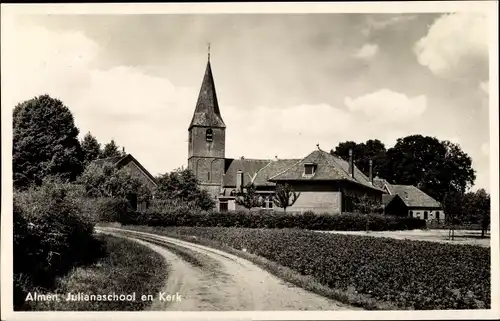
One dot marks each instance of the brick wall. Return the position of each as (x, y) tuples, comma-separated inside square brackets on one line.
[(318, 197), (136, 171)]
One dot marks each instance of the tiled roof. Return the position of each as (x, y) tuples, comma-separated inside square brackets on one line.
[(207, 111), (120, 161), (112, 160), (271, 169), (329, 167), (249, 167), (387, 198), (413, 197)]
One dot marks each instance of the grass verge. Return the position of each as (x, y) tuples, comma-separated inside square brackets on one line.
[(128, 268), (349, 297)]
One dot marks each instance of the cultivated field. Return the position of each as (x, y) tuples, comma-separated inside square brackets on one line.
[(469, 237)]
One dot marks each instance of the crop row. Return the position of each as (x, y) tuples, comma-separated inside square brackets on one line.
[(411, 274)]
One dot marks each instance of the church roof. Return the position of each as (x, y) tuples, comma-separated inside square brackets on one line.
[(207, 111), (329, 168)]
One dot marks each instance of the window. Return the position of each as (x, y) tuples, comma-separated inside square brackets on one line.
[(411, 213), (425, 215), (208, 176), (437, 216), (271, 204), (209, 135), (223, 206), (190, 137), (309, 169)]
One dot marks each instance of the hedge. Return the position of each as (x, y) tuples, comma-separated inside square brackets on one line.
[(271, 219), (411, 274)]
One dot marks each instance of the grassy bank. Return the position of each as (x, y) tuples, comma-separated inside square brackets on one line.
[(373, 273), (127, 268)]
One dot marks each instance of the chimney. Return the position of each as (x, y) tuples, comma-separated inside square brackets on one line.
[(275, 158), (239, 180), (123, 150), (351, 163), (371, 172)]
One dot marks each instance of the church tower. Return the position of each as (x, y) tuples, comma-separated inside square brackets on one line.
[(207, 137)]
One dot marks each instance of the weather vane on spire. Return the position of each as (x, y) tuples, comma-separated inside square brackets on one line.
[(209, 51)]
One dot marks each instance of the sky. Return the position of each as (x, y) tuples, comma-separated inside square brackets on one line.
[(285, 82)]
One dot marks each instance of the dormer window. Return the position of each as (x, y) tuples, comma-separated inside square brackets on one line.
[(309, 169), (209, 135)]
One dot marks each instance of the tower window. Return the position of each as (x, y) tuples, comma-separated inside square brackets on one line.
[(209, 135), (208, 176)]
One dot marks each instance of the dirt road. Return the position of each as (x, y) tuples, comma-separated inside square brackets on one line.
[(211, 280)]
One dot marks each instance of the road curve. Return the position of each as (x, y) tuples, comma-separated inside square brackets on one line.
[(212, 280)]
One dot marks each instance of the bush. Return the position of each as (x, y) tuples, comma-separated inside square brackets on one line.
[(51, 236), (177, 214), (411, 274)]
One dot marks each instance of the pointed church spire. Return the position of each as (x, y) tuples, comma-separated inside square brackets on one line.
[(207, 113)]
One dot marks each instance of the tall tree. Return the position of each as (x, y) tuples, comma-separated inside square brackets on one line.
[(111, 149), (91, 149), (108, 181), (45, 142), (437, 168), (373, 149), (248, 197), (181, 184), (285, 196)]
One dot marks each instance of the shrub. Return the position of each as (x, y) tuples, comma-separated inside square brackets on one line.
[(51, 236), (177, 214), (412, 274)]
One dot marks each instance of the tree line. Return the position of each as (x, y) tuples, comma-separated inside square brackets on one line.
[(441, 169)]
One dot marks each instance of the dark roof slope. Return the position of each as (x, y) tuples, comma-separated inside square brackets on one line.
[(112, 160), (207, 111), (329, 168), (249, 167), (271, 169), (121, 161), (412, 196)]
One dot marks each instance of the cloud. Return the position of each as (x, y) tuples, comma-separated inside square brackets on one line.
[(386, 106), (373, 23), (456, 46), (149, 115), (368, 51)]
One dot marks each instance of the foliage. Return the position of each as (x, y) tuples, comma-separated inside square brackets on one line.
[(51, 236), (107, 181), (437, 168), (91, 149), (248, 197), (112, 150), (364, 204), (44, 142), (126, 268), (285, 196), (183, 215), (373, 149), (412, 274), (181, 184)]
